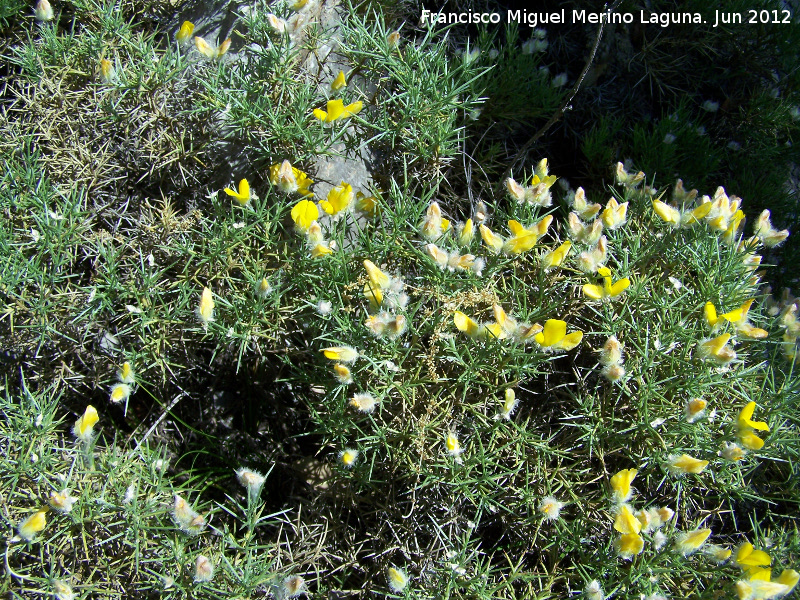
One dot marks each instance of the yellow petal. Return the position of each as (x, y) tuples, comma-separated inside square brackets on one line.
[(595, 292), (621, 484), (186, 30), (204, 47), (339, 82), (84, 425), (335, 110), (466, 324), (619, 287), (626, 522), (378, 278), (320, 114), (304, 213), (570, 341), (745, 418), (352, 109), (690, 541), (554, 331), (493, 241), (667, 213), (711, 314)]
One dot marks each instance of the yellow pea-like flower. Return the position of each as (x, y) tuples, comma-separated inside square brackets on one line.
[(85, 424), (339, 199), (185, 32), (521, 239), (205, 310), (467, 325), (242, 196), (304, 213), (120, 392), (554, 336), (204, 47), (337, 110), (554, 258), (466, 233), (689, 541), (321, 249), (342, 354), (493, 241), (608, 289), (106, 70), (717, 349), (339, 82), (626, 522), (748, 556), (33, 524), (126, 373), (397, 579), (621, 484), (289, 179), (629, 545), (615, 214), (686, 464)]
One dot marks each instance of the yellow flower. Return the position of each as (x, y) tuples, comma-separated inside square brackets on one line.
[(120, 392), (745, 427), (717, 349), (789, 578), (554, 258), (397, 579), (366, 205), (689, 541), (32, 525), (554, 336), (465, 233), (676, 218), (337, 110), (304, 213), (205, 310), (434, 225), (321, 249), (737, 317), (516, 191), (289, 179), (719, 553), (629, 545), (582, 207), (342, 374), (185, 32), (61, 501), (508, 325), (493, 241), (210, 51), (243, 195), (263, 288), (126, 374), (348, 457), (85, 423), (344, 354), (694, 409), (588, 234), (611, 352), (626, 522), (747, 556), (608, 289), (339, 82), (509, 404), (686, 464), (621, 484), (467, 325), (768, 235), (521, 239), (627, 179), (339, 199), (615, 214)]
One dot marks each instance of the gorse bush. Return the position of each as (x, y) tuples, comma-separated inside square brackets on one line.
[(296, 386)]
